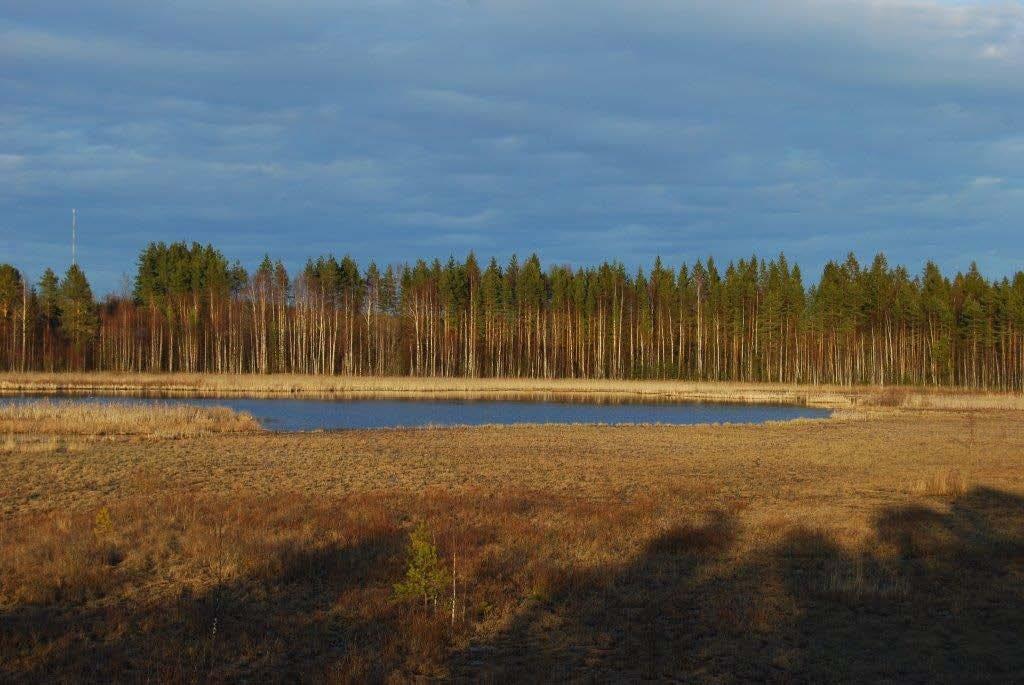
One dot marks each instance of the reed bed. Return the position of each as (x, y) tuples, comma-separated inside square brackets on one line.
[(276, 385), (120, 418)]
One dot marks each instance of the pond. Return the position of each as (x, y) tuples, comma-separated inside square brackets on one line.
[(293, 414)]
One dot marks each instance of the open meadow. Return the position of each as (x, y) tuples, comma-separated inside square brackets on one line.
[(886, 543)]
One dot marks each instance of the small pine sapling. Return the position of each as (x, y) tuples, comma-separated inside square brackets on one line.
[(425, 576)]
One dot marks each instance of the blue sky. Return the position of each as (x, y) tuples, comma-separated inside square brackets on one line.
[(580, 129)]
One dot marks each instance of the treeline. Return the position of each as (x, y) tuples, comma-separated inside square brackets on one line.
[(754, 320)]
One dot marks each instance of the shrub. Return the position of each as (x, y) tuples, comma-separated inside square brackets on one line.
[(103, 525), (891, 397)]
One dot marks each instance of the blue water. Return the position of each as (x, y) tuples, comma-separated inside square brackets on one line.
[(289, 414)]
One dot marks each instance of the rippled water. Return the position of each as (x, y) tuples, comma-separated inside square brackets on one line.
[(291, 414)]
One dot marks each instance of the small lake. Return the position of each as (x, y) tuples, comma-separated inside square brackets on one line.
[(292, 414)]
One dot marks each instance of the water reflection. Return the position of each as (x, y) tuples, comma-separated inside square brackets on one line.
[(380, 410)]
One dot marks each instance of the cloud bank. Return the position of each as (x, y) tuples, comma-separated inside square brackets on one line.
[(582, 130)]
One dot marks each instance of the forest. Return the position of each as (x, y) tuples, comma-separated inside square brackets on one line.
[(191, 310)]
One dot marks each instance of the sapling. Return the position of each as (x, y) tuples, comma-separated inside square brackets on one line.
[(425, 575)]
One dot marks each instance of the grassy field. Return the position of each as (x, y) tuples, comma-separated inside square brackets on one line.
[(884, 544)]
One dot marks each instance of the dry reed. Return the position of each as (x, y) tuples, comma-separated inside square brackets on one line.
[(113, 418), (275, 385)]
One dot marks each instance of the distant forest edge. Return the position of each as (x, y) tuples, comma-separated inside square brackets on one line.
[(193, 311)]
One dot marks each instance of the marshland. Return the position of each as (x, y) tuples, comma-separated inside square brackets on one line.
[(505, 341), (190, 543)]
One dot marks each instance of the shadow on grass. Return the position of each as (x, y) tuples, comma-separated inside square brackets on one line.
[(935, 597), (277, 623)]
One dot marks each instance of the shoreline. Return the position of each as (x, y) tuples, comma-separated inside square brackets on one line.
[(391, 387)]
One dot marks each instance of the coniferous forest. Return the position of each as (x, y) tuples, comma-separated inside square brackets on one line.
[(191, 310)]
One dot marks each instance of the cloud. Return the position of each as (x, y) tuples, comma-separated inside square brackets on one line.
[(584, 129), (434, 220)]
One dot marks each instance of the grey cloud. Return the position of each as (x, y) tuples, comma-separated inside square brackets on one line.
[(583, 129)]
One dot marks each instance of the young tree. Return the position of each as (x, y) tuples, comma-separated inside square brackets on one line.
[(426, 576)]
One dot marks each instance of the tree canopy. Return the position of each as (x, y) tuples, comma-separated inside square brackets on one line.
[(751, 319)]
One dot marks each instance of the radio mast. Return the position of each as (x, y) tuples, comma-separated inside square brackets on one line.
[(74, 236)]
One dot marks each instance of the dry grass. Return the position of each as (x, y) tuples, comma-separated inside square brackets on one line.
[(113, 418), (859, 580), (52, 444), (942, 399), (946, 483), (213, 385), (783, 552)]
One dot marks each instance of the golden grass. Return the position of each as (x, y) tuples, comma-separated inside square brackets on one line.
[(113, 418), (944, 399), (946, 483), (36, 444), (212, 385), (781, 552)]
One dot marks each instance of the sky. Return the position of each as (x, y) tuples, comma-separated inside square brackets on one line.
[(582, 130)]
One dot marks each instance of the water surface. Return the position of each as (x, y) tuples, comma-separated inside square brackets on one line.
[(292, 414)]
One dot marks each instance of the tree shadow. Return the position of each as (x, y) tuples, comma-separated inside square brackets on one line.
[(273, 624), (934, 596), (624, 622), (939, 596)]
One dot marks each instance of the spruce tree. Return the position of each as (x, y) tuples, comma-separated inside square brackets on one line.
[(78, 321)]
